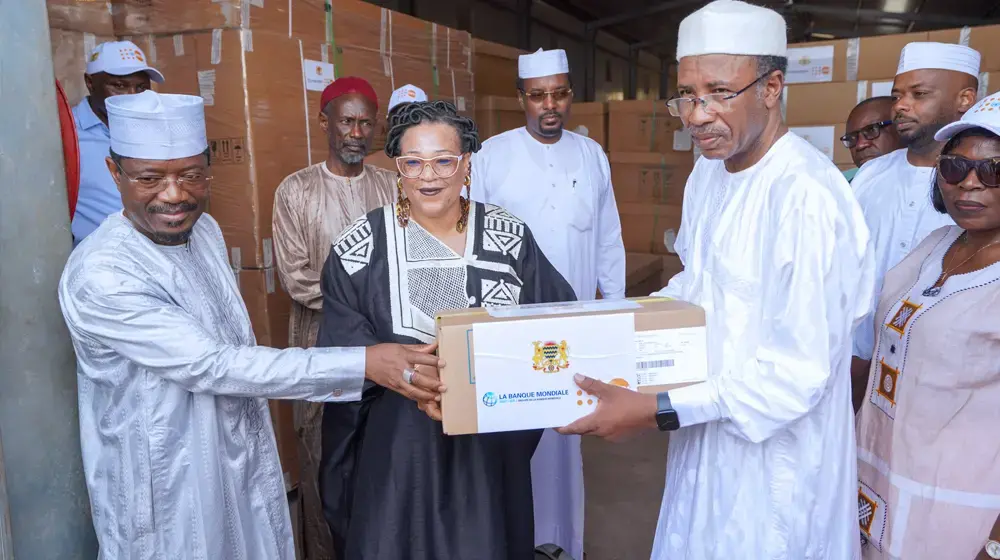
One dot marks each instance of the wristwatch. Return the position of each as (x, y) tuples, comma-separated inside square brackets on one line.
[(993, 549), (666, 416)]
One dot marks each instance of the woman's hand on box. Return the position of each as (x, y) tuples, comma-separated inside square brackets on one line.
[(620, 412)]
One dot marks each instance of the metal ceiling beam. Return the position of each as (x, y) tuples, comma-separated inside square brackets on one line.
[(851, 14), (652, 9)]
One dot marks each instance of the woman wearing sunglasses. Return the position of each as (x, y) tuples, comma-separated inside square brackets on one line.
[(394, 486), (929, 428)]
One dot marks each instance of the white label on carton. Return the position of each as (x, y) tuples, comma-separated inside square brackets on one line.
[(822, 137), (810, 65), (216, 46), (536, 309), (178, 45), (881, 89), (524, 369), (461, 103), (862, 93), (682, 140), (318, 74), (671, 356), (206, 86)]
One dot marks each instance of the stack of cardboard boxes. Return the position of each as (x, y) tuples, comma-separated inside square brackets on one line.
[(827, 79)]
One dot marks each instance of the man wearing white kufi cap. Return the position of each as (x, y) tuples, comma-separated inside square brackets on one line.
[(559, 183), (762, 458), (935, 85), (178, 449)]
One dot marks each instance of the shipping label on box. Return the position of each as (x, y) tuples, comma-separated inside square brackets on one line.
[(821, 137), (512, 368), (317, 74), (882, 89), (810, 65)]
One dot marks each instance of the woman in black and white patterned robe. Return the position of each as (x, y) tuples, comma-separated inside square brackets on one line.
[(394, 486)]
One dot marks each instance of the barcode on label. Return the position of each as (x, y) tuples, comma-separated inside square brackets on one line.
[(654, 364)]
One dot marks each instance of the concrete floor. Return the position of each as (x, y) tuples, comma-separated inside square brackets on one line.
[(624, 484)]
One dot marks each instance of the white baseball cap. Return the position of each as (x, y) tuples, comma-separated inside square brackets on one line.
[(985, 114), (121, 58), (406, 94)]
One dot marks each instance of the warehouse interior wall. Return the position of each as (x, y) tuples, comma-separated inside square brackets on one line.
[(497, 21)]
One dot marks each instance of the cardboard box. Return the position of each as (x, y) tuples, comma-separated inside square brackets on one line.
[(495, 67), (820, 61), (826, 138), (262, 97), (650, 177), (643, 274), (879, 56), (647, 228), (989, 83), (512, 368), (985, 39), (590, 120), (642, 126), (816, 104), (495, 115), (268, 305), (86, 16), (672, 266), (337, 23), (287, 441), (70, 50)]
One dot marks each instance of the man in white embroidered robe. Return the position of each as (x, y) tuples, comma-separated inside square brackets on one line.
[(762, 463), (559, 183), (178, 448), (935, 85)]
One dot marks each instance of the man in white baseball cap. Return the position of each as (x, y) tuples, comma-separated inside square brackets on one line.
[(113, 68), (406, 94), (935, 85)]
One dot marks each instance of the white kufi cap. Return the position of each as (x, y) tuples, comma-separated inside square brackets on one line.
[(542, 63), (939, 56), (732, 27), (985, 114), (158, 126), (407, 94), (120, 58)]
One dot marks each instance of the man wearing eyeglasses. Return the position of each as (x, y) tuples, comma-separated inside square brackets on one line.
[(935, 85), (870, 132), (113, 68), (559, 183), (761, 460), (311, 207)]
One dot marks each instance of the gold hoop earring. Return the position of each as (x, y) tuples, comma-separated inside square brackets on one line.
[(402, 204)]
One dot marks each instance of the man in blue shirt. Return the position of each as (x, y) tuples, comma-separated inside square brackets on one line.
[(113, 68)]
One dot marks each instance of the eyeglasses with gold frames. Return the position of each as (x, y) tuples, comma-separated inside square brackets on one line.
[(444, 166), (558, 95), (191, 180)]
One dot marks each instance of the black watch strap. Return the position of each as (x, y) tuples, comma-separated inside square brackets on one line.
[(666, 416)]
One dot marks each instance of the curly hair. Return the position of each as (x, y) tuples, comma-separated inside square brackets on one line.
[(412, 114)]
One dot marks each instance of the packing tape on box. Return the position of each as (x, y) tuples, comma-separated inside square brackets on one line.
[(245, 14), (246, 38), (305, 101), (268, 252), (964, 35), (89, 44), (269, 280), (454, 90), (151, 49), (862, 91), (216, 46), (447, 34), (289, 19), (853, 54), (237, 258), (206, 86), (324, 52), (331, 39), (178, 45), (984, 85), (434, 43)]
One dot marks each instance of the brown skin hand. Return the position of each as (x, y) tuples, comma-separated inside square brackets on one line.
[(620, 413), (165, 213), (103, 85), (546, 118), (744, 134), (887, 141), (435, 201), (925, 101), (349, 124)]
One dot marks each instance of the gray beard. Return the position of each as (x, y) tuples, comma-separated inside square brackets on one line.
[(351, 158)]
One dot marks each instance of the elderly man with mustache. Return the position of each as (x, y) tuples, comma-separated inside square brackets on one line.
[(935, 85), (311, 207)]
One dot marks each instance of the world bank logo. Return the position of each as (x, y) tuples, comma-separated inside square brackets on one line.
[(490, 399)]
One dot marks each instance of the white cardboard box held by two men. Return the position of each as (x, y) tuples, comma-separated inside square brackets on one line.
[(512, 368)]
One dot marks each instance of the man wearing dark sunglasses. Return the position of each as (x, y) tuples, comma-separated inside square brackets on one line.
[(870, 133), (935, 85)]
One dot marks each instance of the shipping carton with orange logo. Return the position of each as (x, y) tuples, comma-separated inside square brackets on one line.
[(511, 368)]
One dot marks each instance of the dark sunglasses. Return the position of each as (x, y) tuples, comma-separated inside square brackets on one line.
[(870, 132), (954, 169)]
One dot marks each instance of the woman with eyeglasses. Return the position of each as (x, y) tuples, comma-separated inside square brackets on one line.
[(394, 486), (929, 427)]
